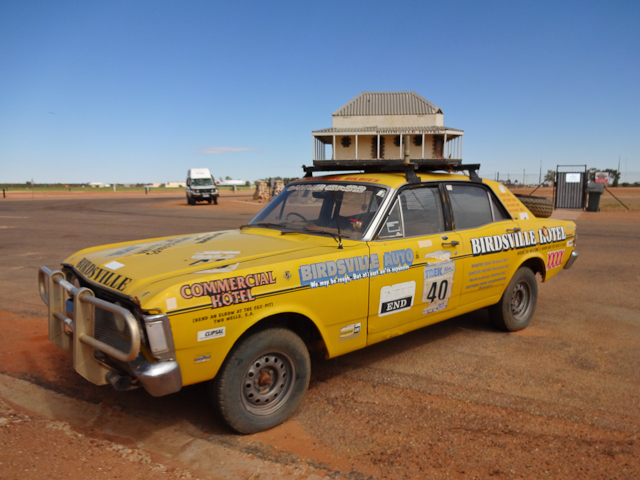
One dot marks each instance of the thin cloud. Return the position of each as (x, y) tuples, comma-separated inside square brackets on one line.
[(221, 150)]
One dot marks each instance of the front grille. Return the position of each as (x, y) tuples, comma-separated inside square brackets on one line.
[(106, 329)]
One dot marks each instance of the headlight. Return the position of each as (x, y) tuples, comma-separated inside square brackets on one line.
[(121, 323), (159, 336), (72, 278)]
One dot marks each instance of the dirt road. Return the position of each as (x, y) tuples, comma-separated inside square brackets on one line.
[(455, 400)]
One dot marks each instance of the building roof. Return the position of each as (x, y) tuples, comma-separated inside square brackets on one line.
[(387, 130), (387, 103)]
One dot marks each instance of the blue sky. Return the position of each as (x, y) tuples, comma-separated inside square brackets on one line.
[(140, 91)]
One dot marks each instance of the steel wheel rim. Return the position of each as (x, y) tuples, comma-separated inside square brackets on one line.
[(267, 383), (521, 300)]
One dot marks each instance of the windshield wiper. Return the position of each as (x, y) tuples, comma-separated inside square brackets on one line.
[(262, 224), (337, 238), (278, 226)]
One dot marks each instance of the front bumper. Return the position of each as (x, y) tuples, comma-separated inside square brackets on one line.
[(87, 324), (205, 194), (572, 258)]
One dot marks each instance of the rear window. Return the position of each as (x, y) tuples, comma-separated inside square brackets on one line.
[(470, 206)]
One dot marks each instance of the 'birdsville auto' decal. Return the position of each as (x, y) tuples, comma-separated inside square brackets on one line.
[(345, 270), (510, 241), (228, 291)]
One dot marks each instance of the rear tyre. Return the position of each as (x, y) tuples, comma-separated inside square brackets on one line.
[(262, 381), (518, 303), (539, 206)]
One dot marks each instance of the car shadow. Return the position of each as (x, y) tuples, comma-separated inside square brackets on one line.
[(190, 410)]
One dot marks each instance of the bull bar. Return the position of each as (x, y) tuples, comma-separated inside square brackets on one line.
[(76, 336)]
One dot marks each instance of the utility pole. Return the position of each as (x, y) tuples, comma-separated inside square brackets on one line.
[(540, 177), (619, 167)]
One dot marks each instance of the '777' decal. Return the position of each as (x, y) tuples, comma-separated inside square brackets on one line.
[(554, 259)]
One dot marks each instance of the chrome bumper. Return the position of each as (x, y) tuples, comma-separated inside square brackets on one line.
[(572, 259), (158, 379), (72, 329)]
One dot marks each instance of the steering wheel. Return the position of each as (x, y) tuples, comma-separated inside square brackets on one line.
[(294, 214)]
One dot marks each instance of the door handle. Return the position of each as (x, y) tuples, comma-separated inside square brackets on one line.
[(514, 230), (452, 243)]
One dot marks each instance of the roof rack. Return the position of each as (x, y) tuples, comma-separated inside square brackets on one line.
[(376, 166)]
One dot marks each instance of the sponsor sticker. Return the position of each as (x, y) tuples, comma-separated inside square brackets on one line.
[(202, 359), (100, 275), (438, 283), (215, 255), (439, 256), (524, 216), (350, 331), (122, 251), (396, 298), (228, 291), (172, 304), (211, 333), (227, 269), (554, 259), (321, 187), (513, 241), (345, 270), (424, 243), (113, 265)]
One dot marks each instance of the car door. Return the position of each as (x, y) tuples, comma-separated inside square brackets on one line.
[(489, 240), (416, 276)]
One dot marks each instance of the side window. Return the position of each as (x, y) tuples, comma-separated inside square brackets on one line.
[(499, 212), (470, 206), (393, 226), (421, 211)]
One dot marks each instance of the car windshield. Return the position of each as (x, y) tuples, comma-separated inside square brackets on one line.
[(201, 182), (323, 208)]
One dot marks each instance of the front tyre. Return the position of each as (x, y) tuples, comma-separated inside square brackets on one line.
[(215, 200), (518, 303), (262, 381)]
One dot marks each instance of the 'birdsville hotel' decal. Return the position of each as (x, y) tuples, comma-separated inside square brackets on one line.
[(511, 241), (228, 291)]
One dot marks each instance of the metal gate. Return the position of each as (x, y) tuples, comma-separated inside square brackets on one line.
[(571, 186)]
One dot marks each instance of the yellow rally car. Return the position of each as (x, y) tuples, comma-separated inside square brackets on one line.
[(333, 263)]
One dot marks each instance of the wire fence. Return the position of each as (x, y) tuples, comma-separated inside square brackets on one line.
[(530, 179)]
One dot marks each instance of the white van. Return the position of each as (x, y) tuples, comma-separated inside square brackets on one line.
[(200, 186)]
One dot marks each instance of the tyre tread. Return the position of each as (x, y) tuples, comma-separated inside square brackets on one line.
[(539, 206), (233, 413)]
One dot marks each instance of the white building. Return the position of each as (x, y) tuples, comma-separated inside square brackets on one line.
[(380, 125)]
